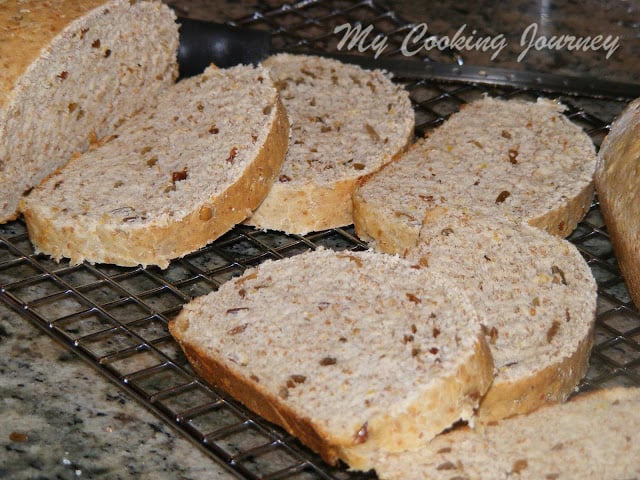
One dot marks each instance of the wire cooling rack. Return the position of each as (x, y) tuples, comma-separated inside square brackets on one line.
[(116, 318)]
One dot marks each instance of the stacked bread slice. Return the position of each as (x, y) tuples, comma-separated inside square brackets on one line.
[(595, 435), (355, 353), (535, 296), (173, 178), (346, 122), (519, 158), (72, 71)]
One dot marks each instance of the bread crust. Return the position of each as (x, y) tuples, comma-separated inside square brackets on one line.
[(383, 234), (305, 208), (158, 244), (563, 220), (618, 187), (552, 384)]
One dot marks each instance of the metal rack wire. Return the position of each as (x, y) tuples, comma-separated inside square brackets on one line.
[(116, 318)]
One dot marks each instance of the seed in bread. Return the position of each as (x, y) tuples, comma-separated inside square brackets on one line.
[(535, 296), (71, 72), (618, 184), (172, 179), (595, 435), (346, 122), (523, 159), (352, 352)]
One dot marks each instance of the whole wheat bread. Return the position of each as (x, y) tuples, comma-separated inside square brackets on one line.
[(352, 352), (524, 159), (173, 178), (618, 185), (534, 294), (346, 122), (595, 435), (71, 72)]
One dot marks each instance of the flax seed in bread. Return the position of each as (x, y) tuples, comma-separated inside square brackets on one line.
[(71, 71), (520, 158), (618, 185), (346, 122), (352, 352), (173, 178), (595, 435), (534, 294)]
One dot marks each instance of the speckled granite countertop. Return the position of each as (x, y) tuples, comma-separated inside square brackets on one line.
[(54, 426), (62, 420)]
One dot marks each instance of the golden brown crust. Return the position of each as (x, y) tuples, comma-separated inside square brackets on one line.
[(305, 208), (28, 27), (155, 245), (563, 220), (371, 225), (552, 384), (618, 190), (626, 251), (311, 207)]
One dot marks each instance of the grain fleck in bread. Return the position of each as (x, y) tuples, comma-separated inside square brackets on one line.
[(352, 352), (618, 186), (523, 159), (71, 71), (534, 294), (346, 122), (174, 177), (593, 436)]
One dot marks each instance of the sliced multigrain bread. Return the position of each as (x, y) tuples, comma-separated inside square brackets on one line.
[(520, 158), (618, 186), (352, 352), (346, 122), (174, 177), (534, 294), (71, 71), (595, 435)]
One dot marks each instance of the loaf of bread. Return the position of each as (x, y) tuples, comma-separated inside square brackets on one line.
[(346, 122), (524, 159), (71, 71), (618, 185), (354, 353), (173, 178), (534, 294), (595, 435)]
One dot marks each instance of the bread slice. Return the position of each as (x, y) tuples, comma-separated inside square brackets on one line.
[(534, 294), (174, 177), (524, 159), (71, 72), (352, 352), (595, 435), (618, 186), (346, 122)]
